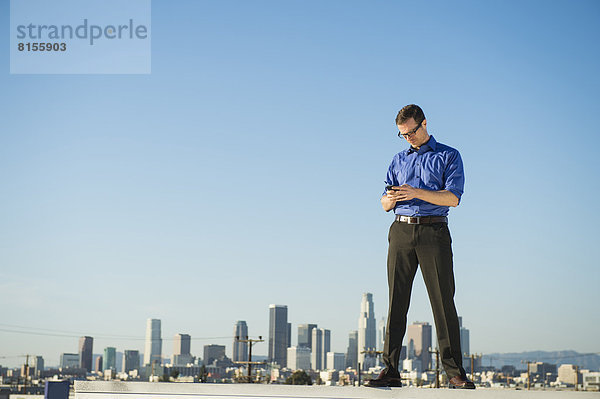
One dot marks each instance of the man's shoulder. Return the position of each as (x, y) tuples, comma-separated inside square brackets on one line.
[(441, 147)]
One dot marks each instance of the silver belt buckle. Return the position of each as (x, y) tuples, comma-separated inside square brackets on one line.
[(409, 219)]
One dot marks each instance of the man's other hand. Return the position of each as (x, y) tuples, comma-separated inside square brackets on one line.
[(406, 193)]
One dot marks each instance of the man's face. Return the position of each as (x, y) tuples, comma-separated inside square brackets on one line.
[(416, 134)]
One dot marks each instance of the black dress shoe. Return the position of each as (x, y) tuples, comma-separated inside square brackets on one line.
[(460, 382), (386, 378)]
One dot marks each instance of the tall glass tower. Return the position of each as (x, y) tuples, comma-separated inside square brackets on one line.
[(110, 359), (240, 349), (278, 334), (153, 347), (305, 335), (352, 351), (85, 353), (367, 334)]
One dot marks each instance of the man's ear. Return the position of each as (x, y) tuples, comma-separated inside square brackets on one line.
[(424, 123)]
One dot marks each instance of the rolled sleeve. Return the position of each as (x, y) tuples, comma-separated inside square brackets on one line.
[(390, 179), (454, 175)]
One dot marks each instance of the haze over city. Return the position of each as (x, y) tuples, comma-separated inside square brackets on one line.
[(246, 170)]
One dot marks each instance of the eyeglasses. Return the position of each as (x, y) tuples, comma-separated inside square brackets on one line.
[(410, 133)]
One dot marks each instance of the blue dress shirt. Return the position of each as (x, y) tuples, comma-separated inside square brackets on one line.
[(434, 166)]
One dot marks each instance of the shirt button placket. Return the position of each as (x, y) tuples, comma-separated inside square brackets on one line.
[(418, 169)]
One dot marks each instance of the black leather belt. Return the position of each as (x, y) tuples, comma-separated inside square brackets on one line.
[(421, 219)]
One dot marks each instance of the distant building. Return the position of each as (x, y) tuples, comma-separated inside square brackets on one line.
[(131, 360), (316, 353), (591, 380), (418, 338), (289, 335), (153, 346), (110, 359), (38, 366), (352, 351), (321, 344), (240, 349), (381, 326), (98, 365), (542, 368), (305, 335), (412, 365), (181, 350), (26, 371), (212, 353), (464, 339), (278, 334), (381, 333), (336, 361), (86, 345), (567, 374), (69, 360), (298, 358), (367, 335)]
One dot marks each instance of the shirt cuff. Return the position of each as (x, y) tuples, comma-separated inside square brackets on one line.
[(454, 191)]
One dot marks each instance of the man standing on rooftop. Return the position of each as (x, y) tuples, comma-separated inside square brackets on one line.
[(422, 182)]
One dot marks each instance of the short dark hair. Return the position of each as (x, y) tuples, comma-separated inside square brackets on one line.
[(410, 111)]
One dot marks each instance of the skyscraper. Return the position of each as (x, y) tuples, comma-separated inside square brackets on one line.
[(38, 366), (240, 349), (418, 342), (181, 350), (321, 344), (278, 334), (212, 353), (381, 337), (110, 359), (316, 353), (85, 353), (335, 361), (464, 339), (131, 360), (298, 358), (326, 347), (381, 334), (352, 351), (366, 331), (98, 365), (69, 360), (305, 335), (153, 347)]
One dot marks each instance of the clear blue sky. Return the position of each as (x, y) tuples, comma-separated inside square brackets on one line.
[(247, 169)]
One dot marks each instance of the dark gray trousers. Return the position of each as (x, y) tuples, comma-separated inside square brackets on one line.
[(427, 245)]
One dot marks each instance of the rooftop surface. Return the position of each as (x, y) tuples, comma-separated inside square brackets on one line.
[(156, 390)]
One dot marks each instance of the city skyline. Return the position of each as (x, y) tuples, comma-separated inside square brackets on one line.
[(307, 336), (125, 356), (317, 342), (122, 181), (417, 334)]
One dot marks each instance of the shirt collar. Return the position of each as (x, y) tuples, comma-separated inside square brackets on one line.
[(430, 145)]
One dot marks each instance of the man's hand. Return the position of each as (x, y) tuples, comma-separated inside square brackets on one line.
[(388, 201), (406, 192)]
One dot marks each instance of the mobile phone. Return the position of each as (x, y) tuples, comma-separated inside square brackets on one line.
[(390, 188)]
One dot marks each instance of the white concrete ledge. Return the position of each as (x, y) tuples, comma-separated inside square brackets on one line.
[(166, 390)]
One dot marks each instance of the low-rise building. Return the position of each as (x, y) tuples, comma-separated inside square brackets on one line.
[(567, 374), (591, 380)]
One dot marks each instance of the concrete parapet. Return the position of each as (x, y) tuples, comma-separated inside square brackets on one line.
[(148, 390)]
